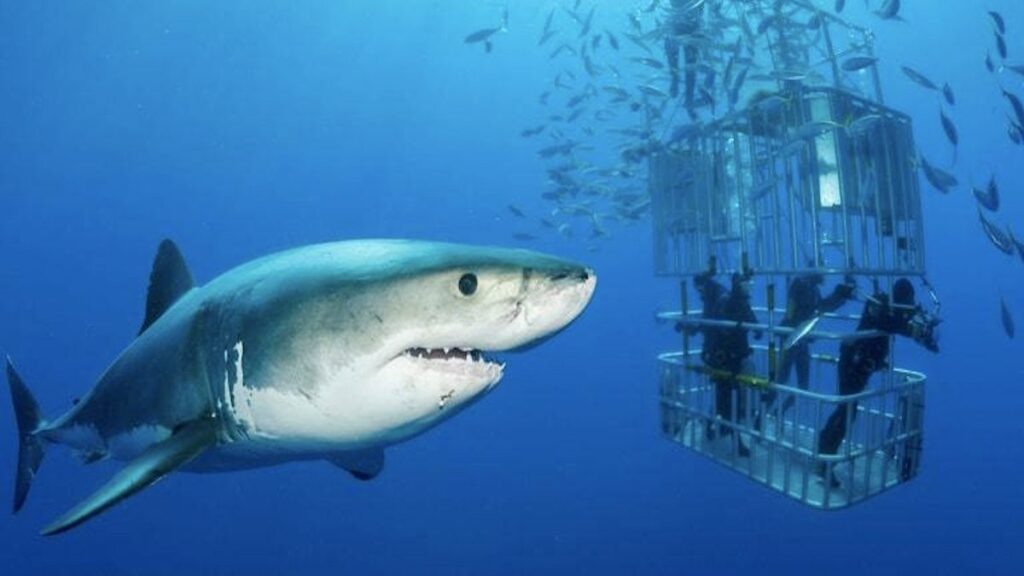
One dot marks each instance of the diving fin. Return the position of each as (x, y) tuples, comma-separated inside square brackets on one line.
[(156, 462), (362, 464)]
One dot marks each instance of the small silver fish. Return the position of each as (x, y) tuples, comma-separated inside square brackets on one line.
[(1001, 240), (814, 128), (652, 91), (1018, 107), (612, 40), (939, 179), (863, 124), (947, 93), (1001, 45), (951, 133), (997, 19), (650, 62), (1017, 244), (481, 35), (989, 197), (919, 79), (1014, 133), (858, 63), (1008, 326), (800, 332), (889, 11)]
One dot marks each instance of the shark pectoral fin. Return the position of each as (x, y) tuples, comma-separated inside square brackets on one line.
[(156, 462), (363, 464)]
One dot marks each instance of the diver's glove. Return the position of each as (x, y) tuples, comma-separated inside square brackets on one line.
[(847, 289), (843, 291)]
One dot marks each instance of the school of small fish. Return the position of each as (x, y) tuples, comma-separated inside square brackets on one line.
[(988, 196), (630, 83)]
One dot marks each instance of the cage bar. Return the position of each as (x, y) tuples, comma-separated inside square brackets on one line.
[(814, 179), (882, 448)]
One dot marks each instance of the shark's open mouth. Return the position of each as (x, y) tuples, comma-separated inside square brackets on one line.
[(449, 354), (445, 354)]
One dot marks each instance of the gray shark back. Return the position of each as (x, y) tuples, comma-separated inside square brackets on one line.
[(156, 384)]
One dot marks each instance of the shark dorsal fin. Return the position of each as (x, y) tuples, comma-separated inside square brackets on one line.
[(168, 280)]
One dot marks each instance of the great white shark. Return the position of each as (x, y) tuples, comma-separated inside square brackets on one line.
[(331, 351)]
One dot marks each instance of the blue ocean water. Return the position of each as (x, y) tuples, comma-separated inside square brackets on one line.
[(241, 128)]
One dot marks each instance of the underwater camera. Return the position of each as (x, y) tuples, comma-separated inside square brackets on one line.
[(924, 329)]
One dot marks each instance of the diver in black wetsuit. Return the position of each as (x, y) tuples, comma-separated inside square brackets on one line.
[(726, 351), (859, 359), (804, 301), (684, 19)]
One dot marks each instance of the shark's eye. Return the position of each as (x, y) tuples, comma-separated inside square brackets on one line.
[(467, 284)]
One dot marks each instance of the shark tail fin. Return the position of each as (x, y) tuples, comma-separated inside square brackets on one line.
[(30, 446)]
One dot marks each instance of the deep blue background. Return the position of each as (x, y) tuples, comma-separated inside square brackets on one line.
[(239, 128)]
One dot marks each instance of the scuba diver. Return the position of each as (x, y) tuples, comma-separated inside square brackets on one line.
[(726, 351), (804, 304), (859, 359), (684, 20)]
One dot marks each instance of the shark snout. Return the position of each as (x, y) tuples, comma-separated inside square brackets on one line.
[(556, 299), (549, 308)]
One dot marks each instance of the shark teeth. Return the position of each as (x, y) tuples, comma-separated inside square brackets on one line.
[(464, 354)]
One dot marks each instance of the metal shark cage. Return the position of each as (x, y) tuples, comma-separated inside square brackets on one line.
[(815, 176)]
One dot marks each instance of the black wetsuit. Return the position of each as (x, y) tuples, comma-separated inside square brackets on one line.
[(726, 349), (858, 360), (804, 302)]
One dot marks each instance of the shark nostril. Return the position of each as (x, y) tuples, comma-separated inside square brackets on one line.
[(581, 274)]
